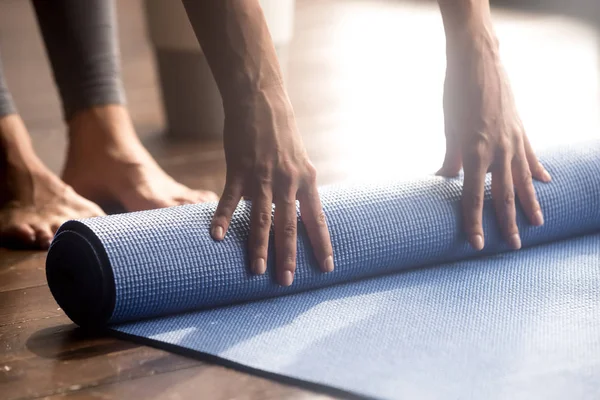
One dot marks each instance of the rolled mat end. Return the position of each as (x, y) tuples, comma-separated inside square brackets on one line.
[(80, 277)]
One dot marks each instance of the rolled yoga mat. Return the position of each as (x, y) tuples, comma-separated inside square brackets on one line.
[(411, 311)]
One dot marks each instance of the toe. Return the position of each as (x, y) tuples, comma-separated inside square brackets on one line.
[(43, 236), (184, 201), (144, 202), (166, 203), (19, 234), (210, 196), (54, 227), (91, 210), (204, 196), (25, 233), (196, 196)]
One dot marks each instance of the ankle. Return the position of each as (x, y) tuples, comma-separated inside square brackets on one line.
[(104, 134), (16, 149), (108, 123)]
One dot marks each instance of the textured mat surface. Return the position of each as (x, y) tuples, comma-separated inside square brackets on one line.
[(516, 326), (510, 324)]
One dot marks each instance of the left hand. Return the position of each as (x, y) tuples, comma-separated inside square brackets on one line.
[(484, 133)]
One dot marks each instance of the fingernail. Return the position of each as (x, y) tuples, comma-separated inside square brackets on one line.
[(259, 266), (328, 264), (538, 219), (546, 176), (287, 278), (47, 243), (477, 242), (217, 232), (515, 241)]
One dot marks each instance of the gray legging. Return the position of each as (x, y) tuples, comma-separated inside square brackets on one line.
[(82, 45)]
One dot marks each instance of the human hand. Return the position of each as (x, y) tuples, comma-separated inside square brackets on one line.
[(267, 161), (484, 133)]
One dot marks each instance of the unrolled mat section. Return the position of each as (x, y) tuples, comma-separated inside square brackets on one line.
[(492, 324)]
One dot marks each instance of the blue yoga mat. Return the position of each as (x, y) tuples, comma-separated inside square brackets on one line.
[(410, 311)]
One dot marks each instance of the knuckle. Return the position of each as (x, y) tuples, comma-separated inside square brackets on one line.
[(263, 171), (311, 173), (477, 151), (287, 173), (263, 180), (285, 179), (321, 219), (260, 249), (518, 130), (473, 201), (509, 198), (481, 143), (519, 161), (228, 199), (286, 196), (503, 151), (289, 260), (289, 230), (472, 224), (263, 220), (526, 177)]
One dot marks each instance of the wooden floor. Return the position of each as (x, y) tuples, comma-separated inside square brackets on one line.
[(365, 78)]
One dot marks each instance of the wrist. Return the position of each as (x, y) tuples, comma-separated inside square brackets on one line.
[(244, 84), (475, 40), (244, 100)]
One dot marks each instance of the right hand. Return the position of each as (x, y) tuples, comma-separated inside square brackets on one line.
[(267, 161)]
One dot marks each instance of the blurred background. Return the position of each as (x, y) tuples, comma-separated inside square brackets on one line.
[(365, 78)]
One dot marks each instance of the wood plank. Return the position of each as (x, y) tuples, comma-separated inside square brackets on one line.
[(16, 338), (198, 383), (59, 358), (21, 269), (52, 357), (21, 305)]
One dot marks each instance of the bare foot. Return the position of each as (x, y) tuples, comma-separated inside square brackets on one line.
[(107, 163), (33, 201)]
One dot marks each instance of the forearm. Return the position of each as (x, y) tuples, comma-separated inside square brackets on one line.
[(468, 25), (238, 47)]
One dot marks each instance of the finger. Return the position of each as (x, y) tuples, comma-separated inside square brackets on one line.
[(522, 177), (227, 205), (503, 194), (260, 227), (286, 221), (537, 169), (472, 201), (453, 158), (315, 222)]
